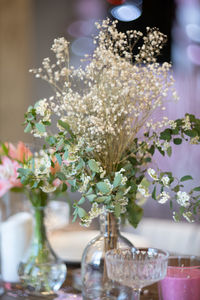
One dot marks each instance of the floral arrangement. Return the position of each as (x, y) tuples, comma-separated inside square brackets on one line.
[(31, 173), (106, 134), (17, 161)]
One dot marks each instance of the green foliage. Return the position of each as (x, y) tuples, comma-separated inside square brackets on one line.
[(91, 197), (154, 193), (28, 128), (59, 158), (103, 188), (134, 213), (40, 127), (85, 173), (93, 165), (197, 189), (169, 151), (177, 141), (66, 126), (166, 135), (187, 177), (117, 180)]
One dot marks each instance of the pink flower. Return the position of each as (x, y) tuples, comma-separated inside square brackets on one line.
[(8, 175), (20, 153), (23, 152), (57, 182)]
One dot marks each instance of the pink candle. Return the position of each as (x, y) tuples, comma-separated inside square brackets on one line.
[(181, 284)]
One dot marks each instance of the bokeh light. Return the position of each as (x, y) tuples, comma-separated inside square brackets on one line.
[(126, 12), (82, 46), (81, 28), (193, 32), (193, 52)]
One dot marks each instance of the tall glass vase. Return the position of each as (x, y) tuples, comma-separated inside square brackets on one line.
[(95, 282), (41, 272)]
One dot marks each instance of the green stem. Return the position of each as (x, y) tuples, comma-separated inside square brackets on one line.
[(39, 228), (39, 201)]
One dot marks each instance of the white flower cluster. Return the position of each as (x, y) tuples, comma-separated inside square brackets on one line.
[(48, 188), (163, 197), (152, 173), (144, 191), (164, 145), (42, 164), (43, 110), (165, 180), (85, 180), (187, 124), (183, 199), (94, 212), (194, 140)]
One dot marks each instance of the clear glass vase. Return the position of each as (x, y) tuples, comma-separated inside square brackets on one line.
[(41, 272), (95, 282)]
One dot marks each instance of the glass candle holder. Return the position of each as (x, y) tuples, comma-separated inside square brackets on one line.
[(182, 280)]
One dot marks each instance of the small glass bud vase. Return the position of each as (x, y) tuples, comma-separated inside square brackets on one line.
[(41, 272), (95, 282)]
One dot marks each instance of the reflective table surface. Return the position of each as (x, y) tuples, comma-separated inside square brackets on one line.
[(71, 290)]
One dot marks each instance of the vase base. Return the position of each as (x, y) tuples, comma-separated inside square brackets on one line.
[(99, 294)]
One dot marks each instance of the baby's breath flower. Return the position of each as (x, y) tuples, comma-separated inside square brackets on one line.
[(101, 120), (107, 112)]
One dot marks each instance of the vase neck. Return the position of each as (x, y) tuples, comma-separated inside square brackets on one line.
[(39, 230), (109, 224)]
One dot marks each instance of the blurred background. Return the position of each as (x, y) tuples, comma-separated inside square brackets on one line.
[(28, 28)]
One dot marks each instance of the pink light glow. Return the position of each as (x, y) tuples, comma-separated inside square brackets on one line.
[(81, 28), (90, 8)]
